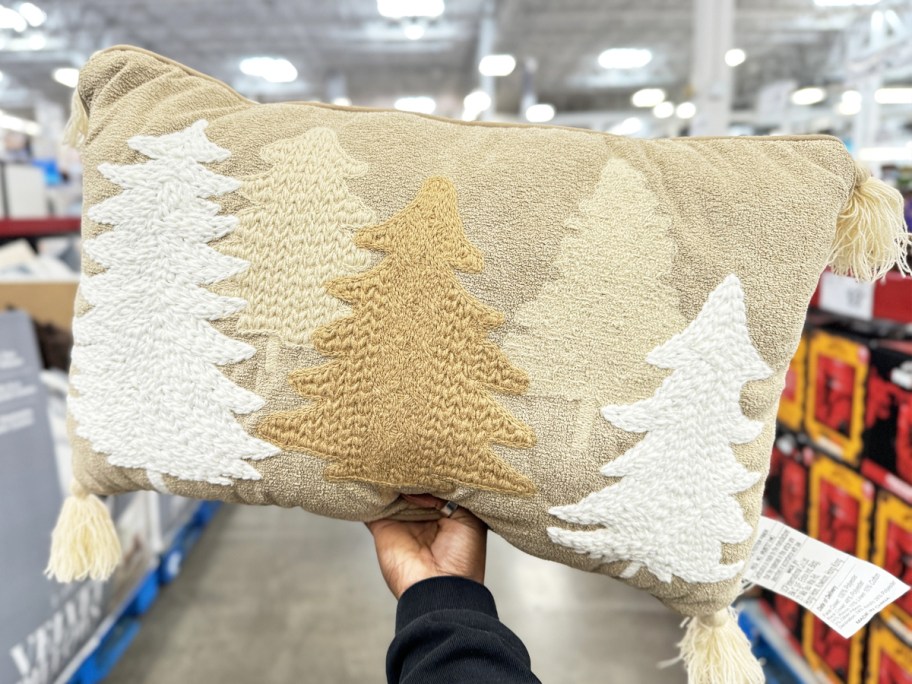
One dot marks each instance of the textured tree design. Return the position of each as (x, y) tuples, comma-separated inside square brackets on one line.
[(150, 394), (674, 505), (297, 235), (406, 400), (611, 265)]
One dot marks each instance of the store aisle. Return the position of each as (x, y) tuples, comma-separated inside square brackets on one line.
[(278, 596)]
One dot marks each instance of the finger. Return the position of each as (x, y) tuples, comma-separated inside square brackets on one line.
[(425, 500)]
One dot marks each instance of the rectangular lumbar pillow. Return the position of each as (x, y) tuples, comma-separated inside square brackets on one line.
[(579, 337)]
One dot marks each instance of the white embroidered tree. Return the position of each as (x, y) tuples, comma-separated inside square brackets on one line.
[(297, 234), (150, 393), (674, 505), (621, 230)]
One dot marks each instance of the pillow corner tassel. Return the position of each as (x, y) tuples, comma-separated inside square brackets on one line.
[(715, 650), (84, 543), (77, 126), (871, 235)]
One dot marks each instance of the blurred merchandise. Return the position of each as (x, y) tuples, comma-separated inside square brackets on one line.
[(889, 656), (791, 403), (834, 408), (888, 420), (892, 548)]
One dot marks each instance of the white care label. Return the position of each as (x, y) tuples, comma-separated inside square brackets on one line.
[(843, 591), (844, 295)]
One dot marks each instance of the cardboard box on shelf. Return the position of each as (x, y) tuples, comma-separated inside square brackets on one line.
[(892, 548), (43, 623), (889, 656), (839, 514), (835, 402), (887, 437), (791, 403), (44, 302)]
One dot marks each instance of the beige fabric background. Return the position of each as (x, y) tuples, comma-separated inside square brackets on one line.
[(630, 235)]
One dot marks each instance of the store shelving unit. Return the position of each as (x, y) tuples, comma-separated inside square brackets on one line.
[(53, 225), (782, 662), (94, 662)]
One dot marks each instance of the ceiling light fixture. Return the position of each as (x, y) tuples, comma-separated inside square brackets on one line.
[(497, 65), (67, 76), (845, 3), (401, 9), (627, 127), (421, 104), (648, 97), (540, 113), (625, 58), (33, 14), (11, 19), (475, 103), (272, 69), (664, 110), (342, 101), (850, 104), (808, 96), (735, 56), (893, 96), (686, 110), (414, 31)]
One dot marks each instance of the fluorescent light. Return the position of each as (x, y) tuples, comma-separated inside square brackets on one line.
[(845, 3), (893, 96), (14, 123), (540, 113), (342, 101), (627, 127), (808, 96), (67, 76), (686, 110), (34, 15), (400, 9), (735, 56), (648, 97), (414, 31), (272, 69), (497, 65), (624, 58), (420, 104), (11, 19), (886, 154), (477, 101), (663, 110), (850, 104)]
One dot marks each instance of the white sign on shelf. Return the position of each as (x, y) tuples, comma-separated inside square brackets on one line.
[(846, 296)]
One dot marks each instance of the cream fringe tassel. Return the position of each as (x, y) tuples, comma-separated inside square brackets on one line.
[(84, 543), (871, 235), (714, 650)]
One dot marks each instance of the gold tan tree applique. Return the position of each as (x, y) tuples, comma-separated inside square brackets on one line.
[(406, 399)]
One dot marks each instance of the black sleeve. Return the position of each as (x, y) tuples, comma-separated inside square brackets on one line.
[(447, 631)]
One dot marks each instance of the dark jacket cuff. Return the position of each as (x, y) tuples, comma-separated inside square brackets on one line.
[(443, 593)]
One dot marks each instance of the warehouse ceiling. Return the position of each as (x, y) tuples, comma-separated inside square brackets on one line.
[(348, 42)]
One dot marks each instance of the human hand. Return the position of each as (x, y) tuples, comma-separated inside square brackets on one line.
[(413, 551)]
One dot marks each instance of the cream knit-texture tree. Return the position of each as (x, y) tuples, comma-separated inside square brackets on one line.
[(297, 235), (149, 391), (562, 335), (674, 505)]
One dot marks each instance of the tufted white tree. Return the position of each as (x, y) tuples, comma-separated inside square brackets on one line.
[(674, 505), (149, 392)]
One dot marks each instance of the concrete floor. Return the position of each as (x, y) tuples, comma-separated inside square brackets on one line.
[(278, 596)]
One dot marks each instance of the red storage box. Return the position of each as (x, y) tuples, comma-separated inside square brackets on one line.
[(892, 549), (839, 514), (888, 414), (835, 401), (791, 403), (889, 657)]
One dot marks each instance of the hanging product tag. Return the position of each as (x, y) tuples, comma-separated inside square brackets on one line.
[(843, 591)]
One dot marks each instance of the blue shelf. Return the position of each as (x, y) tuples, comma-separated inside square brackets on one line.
[(781, 663), (115, 634)]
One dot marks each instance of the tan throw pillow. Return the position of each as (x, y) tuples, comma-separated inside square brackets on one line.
[(581, 338)]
